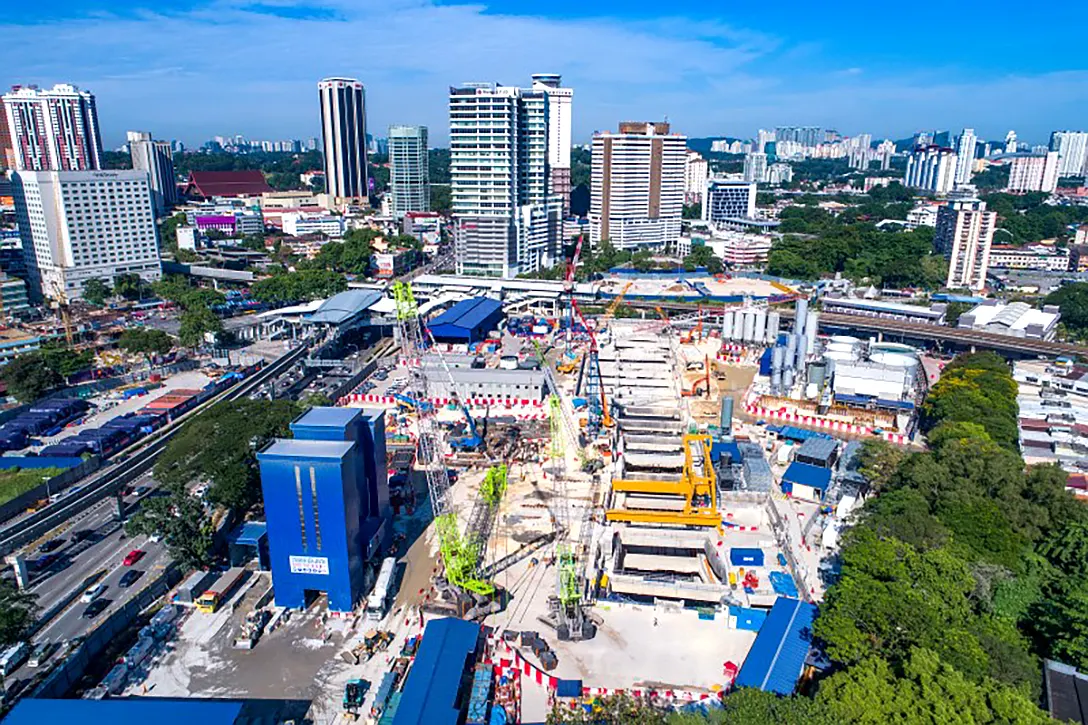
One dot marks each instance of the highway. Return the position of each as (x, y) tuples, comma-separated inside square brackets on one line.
[(1018, 346)]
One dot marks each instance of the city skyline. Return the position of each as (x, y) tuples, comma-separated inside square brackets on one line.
[(710, 75)]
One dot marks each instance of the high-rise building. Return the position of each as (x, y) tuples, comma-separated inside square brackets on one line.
[(965, 156), (778, 174), (53, 130), (7, 151), (763, 138), (964, 234), (932, 169), (81, 225), (343, 131), (1072, 148), (637, 189), (505, 221), (1034, 172), (1010, 142), (155, 159), (808, 136), (728, 200), (696, 173), (755, 168), (409, 172), (559, 133)]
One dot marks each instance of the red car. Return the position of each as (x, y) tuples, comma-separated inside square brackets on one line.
[(133, 556)]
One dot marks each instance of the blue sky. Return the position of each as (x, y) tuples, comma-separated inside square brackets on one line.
[(191, 69)]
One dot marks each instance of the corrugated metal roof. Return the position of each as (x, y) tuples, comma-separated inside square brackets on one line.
[(820, 449), (326, 417), (342, 307), (805, 474), (289, 448), (778, 654), (227, 183), (126, 711), (430, 692), (465, 315)]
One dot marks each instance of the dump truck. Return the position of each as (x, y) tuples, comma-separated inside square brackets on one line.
[(220, 590)]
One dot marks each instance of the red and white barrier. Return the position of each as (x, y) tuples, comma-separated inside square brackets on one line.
[(816, 421)]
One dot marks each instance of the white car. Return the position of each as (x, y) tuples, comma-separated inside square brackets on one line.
[(93, 593)]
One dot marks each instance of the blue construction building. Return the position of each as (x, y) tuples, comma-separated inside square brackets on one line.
[(326, 500)]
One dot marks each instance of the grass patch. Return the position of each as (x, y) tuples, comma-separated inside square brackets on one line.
[(17, 481)]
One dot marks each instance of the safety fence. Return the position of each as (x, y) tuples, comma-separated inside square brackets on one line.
[(816, 421)]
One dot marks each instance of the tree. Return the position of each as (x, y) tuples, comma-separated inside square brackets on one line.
[(315, 400), (17, 609), (96, 291), (220, 446), (748, 706), (1072, 300), (306, 284), (195, 323), (28, 378), (129, 285), (877, 460), (693, 211), (64, 361), (180, 519), (145, 341), (1060, 620)]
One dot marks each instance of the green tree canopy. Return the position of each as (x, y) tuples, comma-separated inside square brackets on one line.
[(95, 291), (17, 610), (180, 519)]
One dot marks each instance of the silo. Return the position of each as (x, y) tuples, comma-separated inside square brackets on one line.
[(811, 325), (802, 347), (727, 325), (726, 421), (773, 319), (801, 316), (738, 325), (761, 327), (791, 350), (749, 325), (776, 381), (778, 355), (787, 382)]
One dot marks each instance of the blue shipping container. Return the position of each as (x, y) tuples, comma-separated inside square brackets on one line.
[(745, 557)]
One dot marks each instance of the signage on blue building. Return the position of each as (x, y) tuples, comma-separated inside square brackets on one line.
[(309, 565)]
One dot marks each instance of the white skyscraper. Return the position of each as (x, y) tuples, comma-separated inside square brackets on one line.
[(80, 225), (1010, 142), (53, 130), (409, 172), (343, 130), (763, 138), (931, 168), (964, 234), (965, 156), (728, 200), (1034, 172), (1072, 147), (637, 190), (559, 133), (696, 173), (505, 221), (755, 167), (157, 161)]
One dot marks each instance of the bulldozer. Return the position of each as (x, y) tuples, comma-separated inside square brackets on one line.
[(373, 642)]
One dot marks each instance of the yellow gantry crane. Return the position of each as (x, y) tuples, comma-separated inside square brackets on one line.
[(697, 489)]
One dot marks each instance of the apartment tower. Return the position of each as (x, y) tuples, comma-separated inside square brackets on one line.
[(53, 130), (157, 161), (409, 173), (964, 234)]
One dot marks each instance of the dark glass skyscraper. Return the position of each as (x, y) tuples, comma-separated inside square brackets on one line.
[(343, 129)]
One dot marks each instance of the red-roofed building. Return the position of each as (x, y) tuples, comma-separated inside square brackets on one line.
[(208, 184)]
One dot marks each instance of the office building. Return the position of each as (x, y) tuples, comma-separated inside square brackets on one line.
[(156, 160), (343, 132), (964, 234), (505, 221), (755, 168), (931, 168), (559, 134), (637, 186), (729, 200), (696, 173), (14, 303), (409, 170), (81, 225), (53, 130), (1036, 257), (1034, 172), (965, 156), (1072, 150), (326, 501)]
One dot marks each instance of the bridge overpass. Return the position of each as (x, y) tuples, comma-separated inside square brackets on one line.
[(958, 337)]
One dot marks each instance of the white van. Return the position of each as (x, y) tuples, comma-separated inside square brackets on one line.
[(12, 657)]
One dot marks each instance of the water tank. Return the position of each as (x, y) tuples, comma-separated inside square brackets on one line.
[(773, 320), (761, 326), (749, 325), (801, 317), (846, 339), (817, 373), (508, 362), (791, 350), (727, 325), (839, 355), (894, 359), (778, 355), (738, 325)]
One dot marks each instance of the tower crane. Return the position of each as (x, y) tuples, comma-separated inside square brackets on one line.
[(599, 414), (461, 555), (568, 289)]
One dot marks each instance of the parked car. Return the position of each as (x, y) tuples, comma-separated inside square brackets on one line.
[(133, 556), (93, 593), (129, 578), (95, 608)]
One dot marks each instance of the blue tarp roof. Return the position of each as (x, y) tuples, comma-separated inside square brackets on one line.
[(326, 417), (778, 654), (783, 584), (806, 474), (127, 711), (467, 318), (855, 399), (345, 306), (794, 433), (250, 533), (430, 692)]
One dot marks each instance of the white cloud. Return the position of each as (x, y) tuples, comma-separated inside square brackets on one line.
[(226, 68)]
